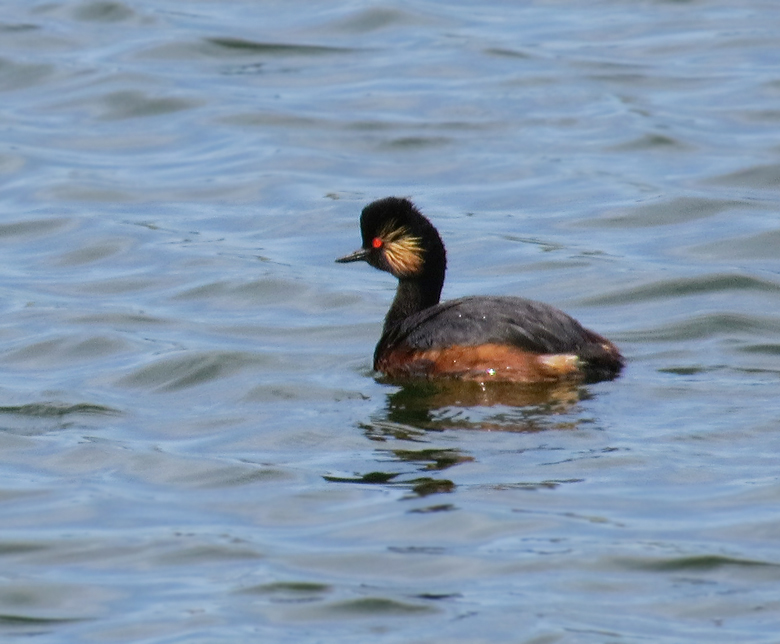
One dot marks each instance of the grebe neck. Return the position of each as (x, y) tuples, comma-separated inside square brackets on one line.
[(413, 295)]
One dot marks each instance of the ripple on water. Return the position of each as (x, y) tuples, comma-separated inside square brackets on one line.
[(36, 227), (686, 286), (762, 245), (66, 350), (103, 11), (15, 75), (35, 419), (760, 177), (661, 212), (221, 48), (132, 104), (30, 608), (192, 368), (730, 325), (194, 445)]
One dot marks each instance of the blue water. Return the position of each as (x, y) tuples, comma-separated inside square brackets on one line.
[(194, 447)]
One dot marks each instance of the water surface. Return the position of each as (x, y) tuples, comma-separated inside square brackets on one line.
[(194, 446)]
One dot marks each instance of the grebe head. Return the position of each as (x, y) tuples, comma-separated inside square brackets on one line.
[(399, 240)]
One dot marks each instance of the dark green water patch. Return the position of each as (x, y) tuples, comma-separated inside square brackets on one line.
[(768, 349), (377, 607), (58, 410), (29, 620), (289, 591), (103, 11), (242, 46), (701, 563)]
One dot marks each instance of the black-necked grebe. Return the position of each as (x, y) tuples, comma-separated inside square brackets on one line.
[(472, 338)]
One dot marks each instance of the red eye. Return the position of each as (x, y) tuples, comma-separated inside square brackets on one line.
[(376, 242)]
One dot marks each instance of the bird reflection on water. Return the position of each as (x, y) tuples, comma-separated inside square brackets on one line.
[(419, 406), (419, 410)]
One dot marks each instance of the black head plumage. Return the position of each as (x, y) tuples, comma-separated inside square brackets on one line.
[(398, 239)]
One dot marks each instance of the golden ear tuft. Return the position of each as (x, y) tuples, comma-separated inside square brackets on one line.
[(403, 251)]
